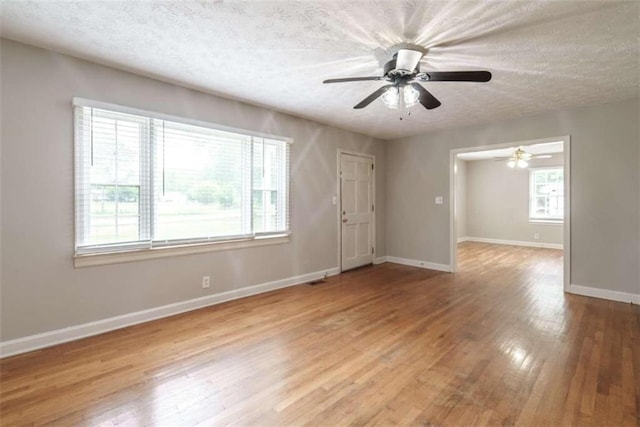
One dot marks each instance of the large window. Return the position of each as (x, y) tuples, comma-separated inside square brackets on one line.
[(546, 195), (143, 181)]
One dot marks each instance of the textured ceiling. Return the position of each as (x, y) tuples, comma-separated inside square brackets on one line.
[(544, 55)]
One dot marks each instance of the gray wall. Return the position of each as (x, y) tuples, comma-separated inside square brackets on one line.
[(604, 177), (42, 291), (497, 204)]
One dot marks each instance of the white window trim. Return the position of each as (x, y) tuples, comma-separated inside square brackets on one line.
[(542, 221), (104, 258), (83, 102), (546, 221), (142, 253)]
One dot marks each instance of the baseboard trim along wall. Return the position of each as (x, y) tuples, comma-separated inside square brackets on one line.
[(379, 260), (588, 291), (72, 333), (512, 242), (418, 263)]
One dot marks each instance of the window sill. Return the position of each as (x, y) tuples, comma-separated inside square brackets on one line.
[(546, 221), (88, 260)]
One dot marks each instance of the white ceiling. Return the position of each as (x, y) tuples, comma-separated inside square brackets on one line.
[(544, 55), (535, 149)]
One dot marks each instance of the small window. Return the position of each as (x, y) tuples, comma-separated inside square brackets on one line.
[(145, 182), (546, 195)]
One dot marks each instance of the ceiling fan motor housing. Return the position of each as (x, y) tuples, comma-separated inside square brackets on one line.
[(391, 68), (392, 73)]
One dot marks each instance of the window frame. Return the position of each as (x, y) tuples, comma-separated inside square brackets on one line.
[(532, 196), (131, 251)]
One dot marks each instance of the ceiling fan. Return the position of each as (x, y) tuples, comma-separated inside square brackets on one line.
[(403, 75), (520, 158)]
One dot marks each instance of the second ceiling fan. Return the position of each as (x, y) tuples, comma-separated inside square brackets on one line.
[(520, 158), (403, 77)]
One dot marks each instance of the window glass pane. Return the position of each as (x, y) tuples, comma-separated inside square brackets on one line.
[(258, 164), (547, 194), (556, 208), (114, 179), (542, 189), (269, 176), (270, 166), (271, 210), (258, 211), (201, 191)]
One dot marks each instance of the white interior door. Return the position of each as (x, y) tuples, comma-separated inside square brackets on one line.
[(356, 206)]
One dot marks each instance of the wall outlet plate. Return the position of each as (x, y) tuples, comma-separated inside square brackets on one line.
[(206, 282)]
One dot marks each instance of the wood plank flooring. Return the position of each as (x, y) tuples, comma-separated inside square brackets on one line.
[(496, 344)]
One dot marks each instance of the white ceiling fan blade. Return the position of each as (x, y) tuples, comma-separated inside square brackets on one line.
[(408, 59), (542, 156)]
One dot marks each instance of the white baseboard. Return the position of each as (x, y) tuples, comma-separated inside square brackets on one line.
[(462, 239), (418, 263), (379, 260), (59, 336), (604, 294), (515, 243)]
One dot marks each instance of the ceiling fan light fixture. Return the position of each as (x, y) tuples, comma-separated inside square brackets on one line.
[(391, 97), (411, 96), (519, 159)]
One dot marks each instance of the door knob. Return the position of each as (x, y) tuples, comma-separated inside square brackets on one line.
[(344, 219)]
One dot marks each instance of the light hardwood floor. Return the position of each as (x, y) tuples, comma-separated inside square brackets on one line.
[(496, 343)]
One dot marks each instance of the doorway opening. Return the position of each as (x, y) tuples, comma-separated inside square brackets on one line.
[(515, 194)]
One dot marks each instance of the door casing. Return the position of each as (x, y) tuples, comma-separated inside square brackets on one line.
[(453, 241)]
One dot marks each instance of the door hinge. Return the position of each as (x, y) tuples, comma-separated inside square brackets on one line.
[(371, 166), (373, 208), (372, 251)]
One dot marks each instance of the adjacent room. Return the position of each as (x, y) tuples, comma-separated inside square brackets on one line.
[(513, 196), (366, 212)]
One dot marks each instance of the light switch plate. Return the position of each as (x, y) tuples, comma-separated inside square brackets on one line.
[(439, 200)]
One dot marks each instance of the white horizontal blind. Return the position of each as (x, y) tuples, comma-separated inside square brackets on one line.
[(144, 182)]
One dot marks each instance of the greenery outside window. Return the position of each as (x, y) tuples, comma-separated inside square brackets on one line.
[(146, 181)]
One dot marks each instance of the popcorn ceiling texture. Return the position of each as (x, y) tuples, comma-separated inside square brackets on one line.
[(544, 55)]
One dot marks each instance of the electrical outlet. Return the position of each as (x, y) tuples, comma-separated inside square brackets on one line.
[(206, 281), (536, 236)]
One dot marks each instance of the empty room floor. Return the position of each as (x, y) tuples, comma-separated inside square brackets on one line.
[(496, 343)]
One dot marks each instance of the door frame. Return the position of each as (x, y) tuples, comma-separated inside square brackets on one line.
[(339, 201), (566, 243)]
